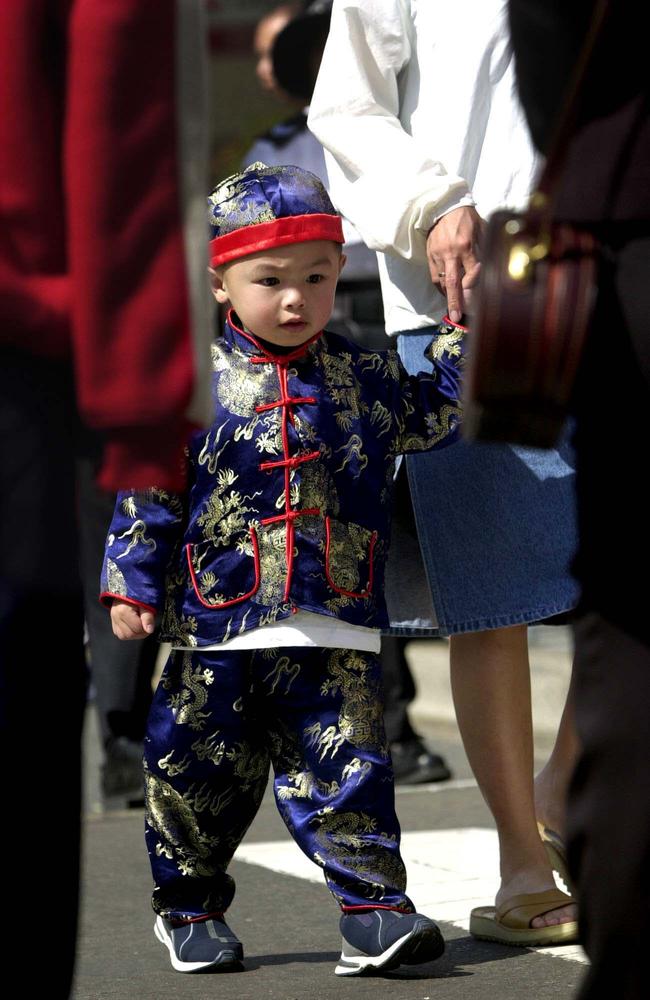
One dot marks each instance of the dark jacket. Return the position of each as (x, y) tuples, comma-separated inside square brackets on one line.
[(97, 188), (606, 167)]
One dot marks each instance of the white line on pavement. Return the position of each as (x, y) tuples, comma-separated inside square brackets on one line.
[(449, 872), (437, 786)]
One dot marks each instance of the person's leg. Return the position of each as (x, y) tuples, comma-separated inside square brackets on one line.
[(413, 762), (609, 800), (398, 688), (334, 789), (552, 782), (41, 696), (490, 678), (333, 777), (497, 530), (206, 768), (609, 814), (121, 672)]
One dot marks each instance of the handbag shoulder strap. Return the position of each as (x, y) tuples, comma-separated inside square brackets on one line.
[(549, 181)]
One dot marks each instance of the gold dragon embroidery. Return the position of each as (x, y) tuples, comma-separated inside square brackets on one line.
[(188, 703)]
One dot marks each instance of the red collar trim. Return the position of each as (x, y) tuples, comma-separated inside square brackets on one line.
[(275, 358), (266, 235)]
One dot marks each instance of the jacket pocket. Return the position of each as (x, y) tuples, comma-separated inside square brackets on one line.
[(223, 577), (349, 550)]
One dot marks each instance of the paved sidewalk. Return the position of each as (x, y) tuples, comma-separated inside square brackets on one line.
[(289, 923)]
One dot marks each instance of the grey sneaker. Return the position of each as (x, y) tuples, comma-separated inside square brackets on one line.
[(204, 944), (384, 939)]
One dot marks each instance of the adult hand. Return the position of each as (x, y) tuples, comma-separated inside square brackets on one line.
[(130, 621), (453, 254)]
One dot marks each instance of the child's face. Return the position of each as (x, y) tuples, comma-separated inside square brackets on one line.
[(283, 295)]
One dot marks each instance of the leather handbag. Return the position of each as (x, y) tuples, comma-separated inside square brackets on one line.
[(536, 297), (538, 288)]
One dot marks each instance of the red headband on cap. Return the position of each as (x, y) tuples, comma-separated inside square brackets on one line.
[(265, 235)]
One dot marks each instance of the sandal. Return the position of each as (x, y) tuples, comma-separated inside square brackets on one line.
[(556, 853), (510, 922)]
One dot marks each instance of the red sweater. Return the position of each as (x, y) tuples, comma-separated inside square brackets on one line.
[(94, 184)]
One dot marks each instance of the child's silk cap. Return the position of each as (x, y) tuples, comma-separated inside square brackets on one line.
[(265, 207)]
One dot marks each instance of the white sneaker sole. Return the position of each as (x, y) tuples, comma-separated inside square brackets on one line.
[(355, 965), (160, 931)]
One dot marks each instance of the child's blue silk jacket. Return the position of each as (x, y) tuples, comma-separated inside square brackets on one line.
[(289, 495)]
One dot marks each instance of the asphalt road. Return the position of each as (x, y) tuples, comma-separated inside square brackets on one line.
[(289, 924)]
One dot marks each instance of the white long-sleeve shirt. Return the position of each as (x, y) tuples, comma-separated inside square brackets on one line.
[(417, 108)]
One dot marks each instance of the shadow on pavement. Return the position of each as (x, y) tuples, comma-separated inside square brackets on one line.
[(459, 952), (259, 961)]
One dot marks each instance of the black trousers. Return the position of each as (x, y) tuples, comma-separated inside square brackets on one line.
[(42, 671), (609, 802), (609, 812), (121, 671), (399, 689)]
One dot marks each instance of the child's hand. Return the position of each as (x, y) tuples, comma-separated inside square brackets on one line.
[(130, 621)]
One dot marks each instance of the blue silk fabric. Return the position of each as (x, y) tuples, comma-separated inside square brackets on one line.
[(264, 194), (289, 497), (218, 719)]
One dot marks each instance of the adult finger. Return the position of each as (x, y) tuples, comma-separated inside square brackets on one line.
[(471, 277), (437, 271), (453, 273)]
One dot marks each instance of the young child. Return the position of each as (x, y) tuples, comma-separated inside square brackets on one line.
[(268, 574)]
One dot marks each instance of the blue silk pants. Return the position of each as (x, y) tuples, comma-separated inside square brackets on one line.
[(218, 720)]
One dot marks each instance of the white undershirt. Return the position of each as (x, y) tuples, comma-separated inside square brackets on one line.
[(303, 629)]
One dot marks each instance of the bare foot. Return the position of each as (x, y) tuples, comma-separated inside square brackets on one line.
[(550, 800), (536, 880)]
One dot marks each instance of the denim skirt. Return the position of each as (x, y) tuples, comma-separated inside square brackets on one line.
[(496, 526)]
